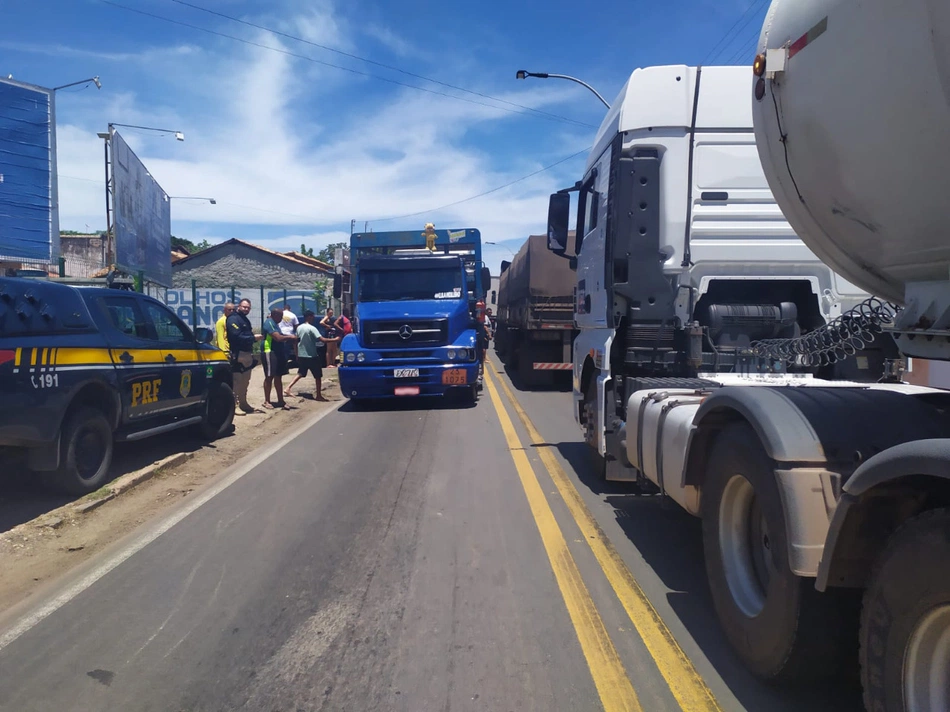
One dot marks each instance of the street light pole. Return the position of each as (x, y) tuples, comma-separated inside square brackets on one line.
[(94, 80), (522, 74), (188, 197), (504, 247)]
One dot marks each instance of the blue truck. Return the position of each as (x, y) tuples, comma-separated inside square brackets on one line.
[(415, 295)]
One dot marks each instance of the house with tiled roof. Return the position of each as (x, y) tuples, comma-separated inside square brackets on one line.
[(236, 262)]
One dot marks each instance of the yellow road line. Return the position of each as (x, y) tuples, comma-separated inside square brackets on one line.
[(686, 684), (610, 678)]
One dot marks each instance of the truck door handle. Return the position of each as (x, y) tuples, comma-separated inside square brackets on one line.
[(170, 359)]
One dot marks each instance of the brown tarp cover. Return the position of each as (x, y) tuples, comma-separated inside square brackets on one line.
[(536, 272)]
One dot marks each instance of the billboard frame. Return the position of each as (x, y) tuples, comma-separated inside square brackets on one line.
[(112, 256), (54, 243)]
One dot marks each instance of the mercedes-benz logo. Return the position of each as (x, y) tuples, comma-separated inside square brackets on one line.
[(405, 332)]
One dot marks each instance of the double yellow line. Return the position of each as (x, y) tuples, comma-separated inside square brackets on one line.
[(613, 685)]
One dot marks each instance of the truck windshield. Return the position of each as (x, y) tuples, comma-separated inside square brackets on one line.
[(403, 285)]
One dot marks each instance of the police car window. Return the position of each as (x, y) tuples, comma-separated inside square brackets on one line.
[(127, 317), (166, 324)]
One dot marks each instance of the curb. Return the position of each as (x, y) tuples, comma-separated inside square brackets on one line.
[(133, 479)]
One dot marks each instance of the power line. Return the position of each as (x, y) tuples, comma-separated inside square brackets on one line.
[(487, 192), (398, 217), (333, 66), (743, 47), (753, 8), (368, 61)]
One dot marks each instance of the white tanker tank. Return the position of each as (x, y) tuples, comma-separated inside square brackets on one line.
[(852, 122)]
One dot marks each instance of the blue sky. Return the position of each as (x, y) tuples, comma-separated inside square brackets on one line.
[(293, 149)]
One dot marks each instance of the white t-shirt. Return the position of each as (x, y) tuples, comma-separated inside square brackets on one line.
[(288, 323)]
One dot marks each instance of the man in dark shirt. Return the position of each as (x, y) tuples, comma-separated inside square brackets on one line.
[(241, 338)]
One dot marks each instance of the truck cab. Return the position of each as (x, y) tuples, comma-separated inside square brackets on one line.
[(683, 257), (414, 295)]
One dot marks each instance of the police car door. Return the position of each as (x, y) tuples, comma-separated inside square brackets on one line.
[(187, 384), (136, 355)]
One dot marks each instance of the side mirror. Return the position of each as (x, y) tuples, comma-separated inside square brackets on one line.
[(486, 279), (559, 215), (204, 335), (337, 286)]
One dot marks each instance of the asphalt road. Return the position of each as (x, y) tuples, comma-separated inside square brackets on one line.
[(406, 558)]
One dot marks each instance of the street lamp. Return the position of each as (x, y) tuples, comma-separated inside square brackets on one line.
[(504, 247), (522, 74), (178, 134), (94, 80), (182, 197)]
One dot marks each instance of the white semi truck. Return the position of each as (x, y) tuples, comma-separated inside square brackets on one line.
[(719, 362)]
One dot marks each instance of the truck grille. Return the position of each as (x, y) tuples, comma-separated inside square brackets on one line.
[(414, 332)]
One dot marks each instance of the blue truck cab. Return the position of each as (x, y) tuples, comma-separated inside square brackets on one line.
[(414, 295)]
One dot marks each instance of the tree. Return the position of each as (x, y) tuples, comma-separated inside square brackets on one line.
[(328, 253), (190, 246), (304, 250)]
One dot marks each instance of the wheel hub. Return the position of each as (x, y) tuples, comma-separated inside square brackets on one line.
[(927, 664), (745, 545), (89, 453)]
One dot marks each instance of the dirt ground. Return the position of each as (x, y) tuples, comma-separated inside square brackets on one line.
[(43, 535)]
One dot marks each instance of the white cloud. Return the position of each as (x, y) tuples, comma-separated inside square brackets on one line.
[(275, 146), (391, 41)]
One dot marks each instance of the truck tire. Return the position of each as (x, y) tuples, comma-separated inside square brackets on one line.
[(85, 453), (219, 412), (779, 625), (597, 461), (905, 620)]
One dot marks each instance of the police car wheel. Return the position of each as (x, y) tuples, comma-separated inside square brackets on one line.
[(85, 454), (219, 411)]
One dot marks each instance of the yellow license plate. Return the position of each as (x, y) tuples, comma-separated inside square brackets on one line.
[(454, 377)]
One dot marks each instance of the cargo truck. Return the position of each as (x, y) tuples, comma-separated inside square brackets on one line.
[(534, 330), (822, 481), (415, 296)]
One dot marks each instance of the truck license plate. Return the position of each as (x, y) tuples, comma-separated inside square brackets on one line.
[(454, 377), (406, 391), (406, 372)]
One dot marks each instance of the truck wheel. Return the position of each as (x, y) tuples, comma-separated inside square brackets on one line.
[(589, 405), (905, 620), (219, 412), (85, 453), (780, 626)]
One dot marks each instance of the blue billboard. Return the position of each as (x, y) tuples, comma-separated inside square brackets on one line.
[(29, 214), (141, 217)]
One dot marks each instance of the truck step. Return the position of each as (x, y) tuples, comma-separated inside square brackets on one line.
[(632, 385)]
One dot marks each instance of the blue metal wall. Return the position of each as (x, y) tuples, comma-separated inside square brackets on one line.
[(29, 228)]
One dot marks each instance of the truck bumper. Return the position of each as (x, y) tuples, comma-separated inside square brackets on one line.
[(359, 381)]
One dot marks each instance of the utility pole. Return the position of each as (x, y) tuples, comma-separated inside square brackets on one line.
[(352, 226)]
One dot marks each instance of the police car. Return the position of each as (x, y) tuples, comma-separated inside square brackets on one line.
[(81, 368)]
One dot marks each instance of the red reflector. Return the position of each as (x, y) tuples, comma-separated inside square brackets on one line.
[(6, 356), (406, 391)]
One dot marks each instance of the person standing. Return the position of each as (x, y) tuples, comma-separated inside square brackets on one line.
[(311, 348), (241, 338), (221, 330), (275, 350), (288, 327), (331, 332)]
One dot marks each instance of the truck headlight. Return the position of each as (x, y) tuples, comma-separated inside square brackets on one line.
[(350, 357), (361, 357), (451, 354)]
